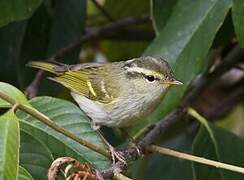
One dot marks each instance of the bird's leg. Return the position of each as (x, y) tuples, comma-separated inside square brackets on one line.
[(114, 154), (131, 140)]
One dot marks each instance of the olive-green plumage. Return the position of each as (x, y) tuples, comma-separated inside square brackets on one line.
[(84, 79), (115, 94)]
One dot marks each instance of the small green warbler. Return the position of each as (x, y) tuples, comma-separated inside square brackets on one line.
[(115, 94)]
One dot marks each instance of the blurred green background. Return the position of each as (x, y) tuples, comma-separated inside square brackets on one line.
[(194, 36)]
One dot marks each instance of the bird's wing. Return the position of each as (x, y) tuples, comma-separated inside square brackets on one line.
[(90, 80)]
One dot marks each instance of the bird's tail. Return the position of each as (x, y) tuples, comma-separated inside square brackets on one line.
[(43, 66)]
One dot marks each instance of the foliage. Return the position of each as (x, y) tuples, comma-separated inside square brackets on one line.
[(187, 34)]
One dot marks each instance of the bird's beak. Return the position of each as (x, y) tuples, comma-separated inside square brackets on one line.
[(172, 82)]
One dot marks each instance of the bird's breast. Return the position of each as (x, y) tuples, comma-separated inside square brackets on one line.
[(127, 111)]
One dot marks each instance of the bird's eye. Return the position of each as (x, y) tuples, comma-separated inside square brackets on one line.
[(150, 78)]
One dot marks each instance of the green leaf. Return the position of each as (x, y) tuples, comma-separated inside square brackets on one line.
[(54, 25), (61, 22), (68, 23), (131, 49), (184, 42), (71, 118), (220, 145), (24, 174), (161, 11), (10, 46), (120, 9), (34, 155), (14, 93), (17, 10), (233, 121), (9, 146), (38, 26), (238, 19)]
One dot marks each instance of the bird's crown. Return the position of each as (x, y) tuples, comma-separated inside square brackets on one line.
[(149, 67)]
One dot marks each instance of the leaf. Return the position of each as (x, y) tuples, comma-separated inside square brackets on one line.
[(221, 146), (34, 155), (14, 93), (10, 45), (38, 26), (24, 174), (68, 23), (161, 11), (71, 118), (131, 49), (17, 10), (63, 23), (119, 9), (184, 42), (9, 146), (54, 25), (233, 122), (238, 19)]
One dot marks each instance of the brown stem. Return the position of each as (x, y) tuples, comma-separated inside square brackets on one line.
[(228, 103), (103, 10), (31, 90)]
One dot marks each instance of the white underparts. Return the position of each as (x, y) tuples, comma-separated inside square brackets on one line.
[(92, 110)]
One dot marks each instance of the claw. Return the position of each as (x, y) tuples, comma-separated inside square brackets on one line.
[(117, 155), (114, 154), (134, 145), (137, 150)]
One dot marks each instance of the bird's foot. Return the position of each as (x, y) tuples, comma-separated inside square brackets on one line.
[(117, 155), (133, 144)]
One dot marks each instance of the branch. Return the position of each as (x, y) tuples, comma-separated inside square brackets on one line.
[(201, 160), (101, 32), (227, 103), (103, 10), (129, 35), (110, 30), (233, 58), (44, 119)]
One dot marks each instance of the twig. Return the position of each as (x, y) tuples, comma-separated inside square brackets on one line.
[(234, 57), (31, 90), (168, 121), (109, 30), (227, 103), (44, 119), (180, 155), (95, 33), (129, 35), (103, 10)]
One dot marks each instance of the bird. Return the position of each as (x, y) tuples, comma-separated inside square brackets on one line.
[(114, 94)]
